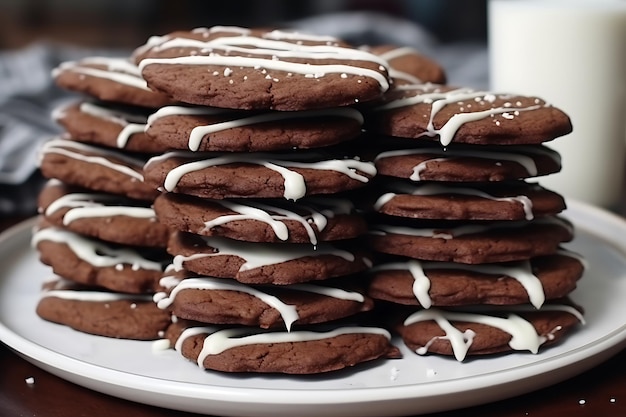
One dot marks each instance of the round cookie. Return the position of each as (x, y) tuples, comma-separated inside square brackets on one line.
[(108, 125), (254, 350), (311, 220), (111, 79), (102, 313), (449, 201), (484, 333), (263, 263), (210, 129), (462, 115), (428, 283), (256, 69), (224, 301), (104, 216), (474, 243), (240, 175), (468, 163), (95, 168), (408, 66), (92, 262)]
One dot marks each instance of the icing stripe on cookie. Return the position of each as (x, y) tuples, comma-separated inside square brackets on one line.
[(523, 334), (199, 132), (95, 252)]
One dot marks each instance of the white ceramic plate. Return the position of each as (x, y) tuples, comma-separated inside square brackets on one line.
[(412, 385)]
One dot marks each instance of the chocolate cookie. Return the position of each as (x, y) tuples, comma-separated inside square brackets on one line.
[(450, 201), (474, 243), (237, 175), (428, 283), (95, 168), (263, 263), (211, 129), (408, 66), (104, 216), (468, 163), (108, 125), (313, 351), (482, 333), (111, 79), (93, 311), (462, 115), (224, 301), (248, 69), (310, 220), (93, 262)]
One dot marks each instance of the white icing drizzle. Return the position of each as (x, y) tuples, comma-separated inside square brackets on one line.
[(95, 252), (309, 70), (88, 205), (463, 230), (394, 73), (527, 162), (132, 123), (520, 271), (273, 44), (436, 189), (219, 341), (328, 292), (200, 132), (257, 255), (118, 69), (523, 334), (75, 150), (287, 312), (274, 215), (431, 94), (294, 184), (113, 115), (94, 296)]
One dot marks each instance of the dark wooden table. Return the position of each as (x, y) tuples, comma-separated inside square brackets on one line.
[(599, 392)]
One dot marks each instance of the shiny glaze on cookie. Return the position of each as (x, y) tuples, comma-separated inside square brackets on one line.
[(288, 312), (445, 154), (119, 70), (318, 212), (94, 155), (523, 334), (438, 189), (439, 96), (294, 184), (198, 133), (95, 252)]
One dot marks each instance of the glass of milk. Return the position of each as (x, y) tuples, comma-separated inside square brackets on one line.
[(571, 53)]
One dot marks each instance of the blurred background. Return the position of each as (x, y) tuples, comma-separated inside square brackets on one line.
[(37, 35), (126, 23)]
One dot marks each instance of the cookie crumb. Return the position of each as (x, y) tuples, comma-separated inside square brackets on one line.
[(394, 373), (582, 401), (30, 380)]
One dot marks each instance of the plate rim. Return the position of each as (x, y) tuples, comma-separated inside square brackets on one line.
[(93, 376)]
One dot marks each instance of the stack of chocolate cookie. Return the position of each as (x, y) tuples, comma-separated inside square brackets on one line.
[(98, 230), (267, 259), (470, 244)]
